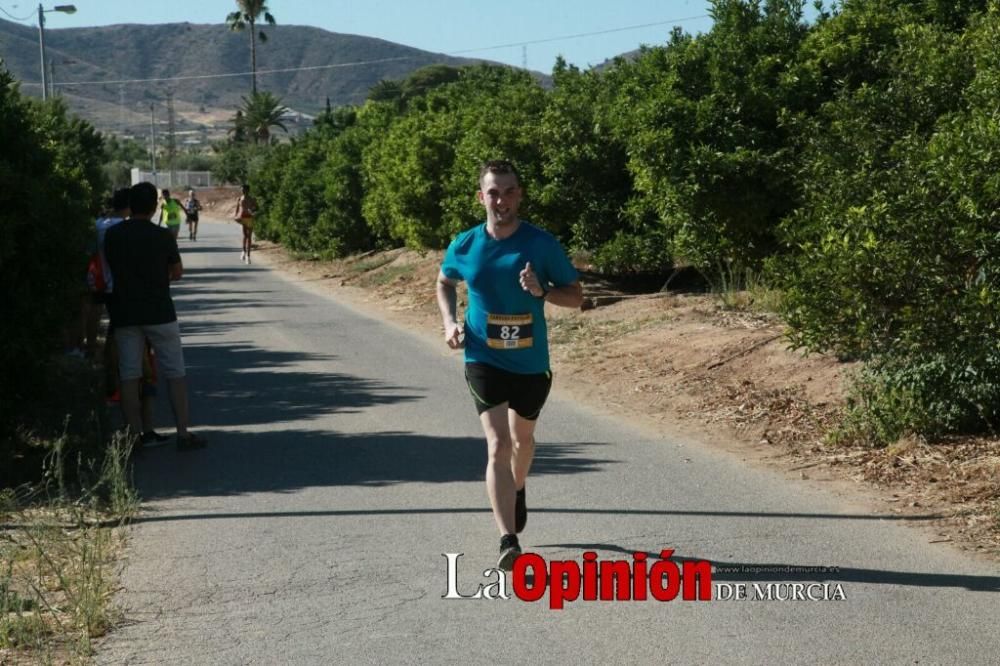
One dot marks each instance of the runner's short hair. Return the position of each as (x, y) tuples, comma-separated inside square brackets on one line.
[(119, 200), (498, 166), (142, 198)]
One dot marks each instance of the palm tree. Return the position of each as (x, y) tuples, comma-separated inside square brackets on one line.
[(238, 132), (260, 112), (250, 11)]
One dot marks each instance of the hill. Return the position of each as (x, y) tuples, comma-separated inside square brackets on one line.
[(89, 62), (628, 56)]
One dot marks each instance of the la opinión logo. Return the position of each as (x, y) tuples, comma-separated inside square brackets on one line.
[(593, 580)]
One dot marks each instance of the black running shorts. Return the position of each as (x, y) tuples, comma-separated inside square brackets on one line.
[(491, 386)]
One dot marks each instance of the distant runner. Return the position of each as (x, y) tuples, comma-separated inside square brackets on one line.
[(511, 269), (170, 213), (246, 209), (191, 207)]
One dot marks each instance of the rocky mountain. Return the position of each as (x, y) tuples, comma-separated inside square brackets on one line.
[(95, 69)]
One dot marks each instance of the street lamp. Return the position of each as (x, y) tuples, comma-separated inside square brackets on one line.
[(65, 9)]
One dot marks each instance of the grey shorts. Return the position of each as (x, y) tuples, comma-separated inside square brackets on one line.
[(166, 341)]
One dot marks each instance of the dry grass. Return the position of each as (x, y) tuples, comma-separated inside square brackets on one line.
[(59, 558)]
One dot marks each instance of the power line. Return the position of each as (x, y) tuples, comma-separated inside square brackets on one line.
[(231, 74), (306, 68), (14, 17), (582, 34)]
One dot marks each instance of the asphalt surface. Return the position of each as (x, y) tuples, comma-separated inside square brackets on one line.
[(346, 459)]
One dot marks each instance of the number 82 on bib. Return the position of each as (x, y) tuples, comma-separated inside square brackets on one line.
[(509, 331)]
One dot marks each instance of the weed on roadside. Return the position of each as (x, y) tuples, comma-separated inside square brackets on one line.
[(368, 265), (580, 333), (739, 288), (60, 541), (59, 556), (384, 276)]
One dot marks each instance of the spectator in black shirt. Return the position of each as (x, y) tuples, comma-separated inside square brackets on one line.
[(144, 260)]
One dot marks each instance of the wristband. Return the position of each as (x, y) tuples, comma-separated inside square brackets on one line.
[(545, 292)]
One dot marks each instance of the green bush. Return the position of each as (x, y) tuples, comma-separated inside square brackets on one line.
[(700, 120), (237, 162), (585, 183), (510, 130), (51, 183), (266, 188), (403, 173), (931, 394), (340, 228), (420, 175), (896, 243), (310, 191)]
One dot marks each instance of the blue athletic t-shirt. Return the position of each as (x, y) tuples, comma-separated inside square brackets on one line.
[(504, 324)]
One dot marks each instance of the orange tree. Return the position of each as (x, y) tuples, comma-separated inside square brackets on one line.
[(51, 181), (894, 251)]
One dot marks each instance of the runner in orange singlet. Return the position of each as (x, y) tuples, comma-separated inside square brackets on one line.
[(246, 208)]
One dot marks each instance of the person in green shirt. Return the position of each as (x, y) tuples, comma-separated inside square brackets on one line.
[(170, 213)]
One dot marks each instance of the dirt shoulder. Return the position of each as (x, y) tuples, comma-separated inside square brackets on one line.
[(686, 364)]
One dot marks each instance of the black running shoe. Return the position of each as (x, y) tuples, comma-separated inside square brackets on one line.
[(152, 439), (191, 442), (509, 550), (520, 512)]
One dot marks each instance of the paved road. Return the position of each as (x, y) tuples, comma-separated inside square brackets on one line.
[(346, 458)]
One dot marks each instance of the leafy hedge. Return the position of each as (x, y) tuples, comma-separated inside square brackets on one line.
[(51, 185), (897, 241)]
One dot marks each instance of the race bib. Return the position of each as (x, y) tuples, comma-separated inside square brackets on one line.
[(509, 331)]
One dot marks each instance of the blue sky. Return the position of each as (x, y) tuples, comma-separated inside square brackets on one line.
[(461, 27)]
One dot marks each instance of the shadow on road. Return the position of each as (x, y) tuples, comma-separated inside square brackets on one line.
[(242, 385), (255, 403), (217, 304), (536, 510), (750, 572), (202, 247), (761, 572), (289, 460)]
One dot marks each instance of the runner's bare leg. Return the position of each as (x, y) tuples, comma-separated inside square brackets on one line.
[(523, 447), (499, 477)]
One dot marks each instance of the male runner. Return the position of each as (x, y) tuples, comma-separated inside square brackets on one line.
[(511, 268), (191, 207)]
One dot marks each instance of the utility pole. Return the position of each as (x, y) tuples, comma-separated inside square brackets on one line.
[(152, 138), (52, 74), (41, 47), (121, 108), (171, 137), (65, 9), (524, 56)]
